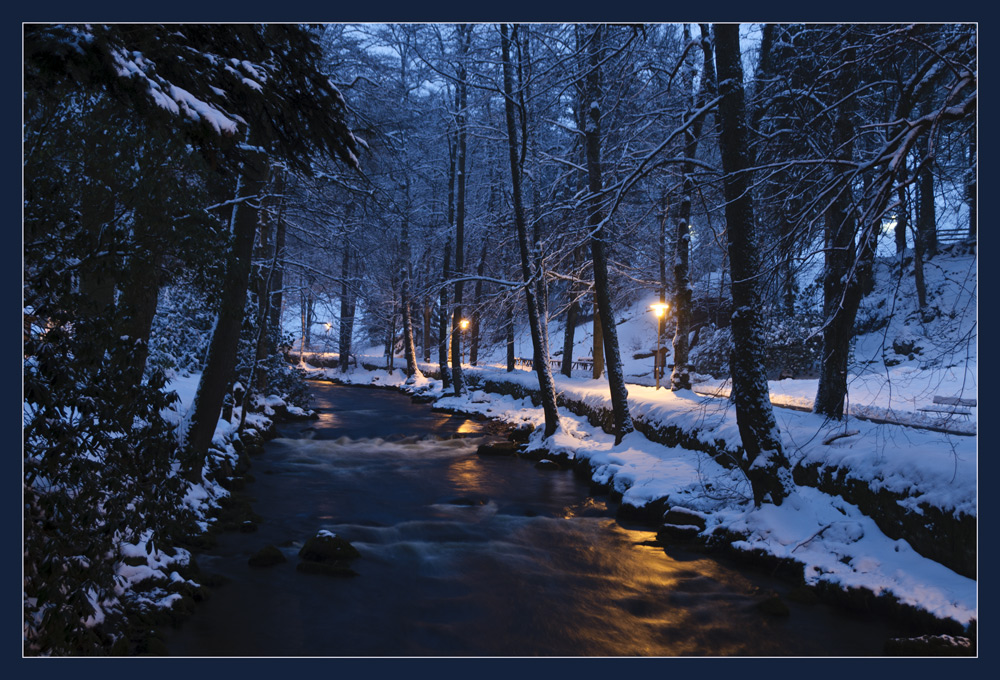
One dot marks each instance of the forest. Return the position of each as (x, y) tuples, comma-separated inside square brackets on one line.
[(220, 200)]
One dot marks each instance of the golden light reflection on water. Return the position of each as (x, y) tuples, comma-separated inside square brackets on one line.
[(635, 600), (468, 475), (470, 427)]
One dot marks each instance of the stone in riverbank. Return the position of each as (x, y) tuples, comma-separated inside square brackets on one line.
[(498, 449), (930, 645)]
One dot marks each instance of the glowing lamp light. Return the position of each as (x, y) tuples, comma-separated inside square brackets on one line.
[(328, 325), (659, 309), (463, 324)]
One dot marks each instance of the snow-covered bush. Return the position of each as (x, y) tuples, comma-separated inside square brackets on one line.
[(182, 329), (99, 471)]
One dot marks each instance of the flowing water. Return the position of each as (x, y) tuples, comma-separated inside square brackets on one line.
[(471, 556)]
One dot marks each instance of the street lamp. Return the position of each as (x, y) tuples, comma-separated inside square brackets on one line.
[(464, 325), (659, 309)]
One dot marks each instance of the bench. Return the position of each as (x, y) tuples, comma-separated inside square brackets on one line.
[(951, 406), (954, 401), (583, 363)]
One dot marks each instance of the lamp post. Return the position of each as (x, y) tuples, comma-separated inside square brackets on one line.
[(464, 325), (659, 309)]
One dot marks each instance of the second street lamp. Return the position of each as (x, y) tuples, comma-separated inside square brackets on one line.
[(659, 309), (464, 325)]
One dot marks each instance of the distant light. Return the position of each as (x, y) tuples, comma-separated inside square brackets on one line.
[(463, 324), (328, 325), (659, 309)]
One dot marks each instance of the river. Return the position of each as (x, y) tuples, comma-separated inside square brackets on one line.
[(472, 556)]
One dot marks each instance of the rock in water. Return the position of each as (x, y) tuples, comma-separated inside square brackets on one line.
[(328, 547), (266, 557)]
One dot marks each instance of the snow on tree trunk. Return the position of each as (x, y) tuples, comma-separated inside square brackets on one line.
[(680, 379), (546, 386), (476, 301), (409, 349), (458, 381), (572, 313), (970, 186), (841, 289), (598, 246), (278, 272), (764, 462), (443, 314), (203, 415), (347, 305)]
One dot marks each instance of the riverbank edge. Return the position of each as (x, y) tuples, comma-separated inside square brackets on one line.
[(141, 633), (910, 618)]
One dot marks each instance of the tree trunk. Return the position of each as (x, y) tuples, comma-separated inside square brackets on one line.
[(309, 313), (680, 379), (662, 246), (458, 383), (257, 380), (278, 273), (572, 313), (902, 217), (218, 374), (428, 313), (509, 322), (98, 272), (764, 461), (302, 319), (443, 316), (543, 371), (918, 271), (409, 349), (602, 293), (347, 304), (926, 223), (476, 301), (841, 290), (261, 278), (526, 107), (970, 187), (138, 300)]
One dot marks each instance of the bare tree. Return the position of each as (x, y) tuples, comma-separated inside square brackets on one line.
[(764, 461)]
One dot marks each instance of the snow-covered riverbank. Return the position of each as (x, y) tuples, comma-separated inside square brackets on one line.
[(832, 539)]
